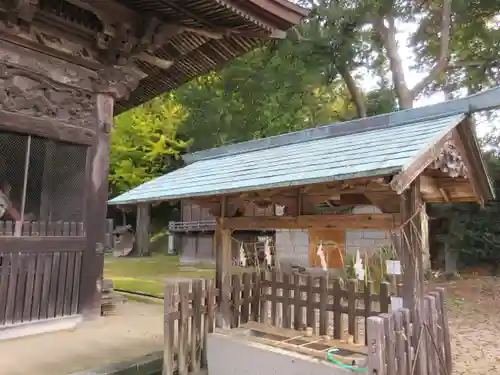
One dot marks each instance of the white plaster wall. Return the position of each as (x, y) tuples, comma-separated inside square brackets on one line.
[(292, 246)]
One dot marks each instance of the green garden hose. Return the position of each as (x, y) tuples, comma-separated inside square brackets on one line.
[(343, 365)]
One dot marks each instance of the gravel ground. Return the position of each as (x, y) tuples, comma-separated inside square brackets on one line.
[(474, 317)]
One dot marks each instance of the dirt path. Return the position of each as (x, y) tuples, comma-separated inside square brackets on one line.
[(474, 316), (135, 330)]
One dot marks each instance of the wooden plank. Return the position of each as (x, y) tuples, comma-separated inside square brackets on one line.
[(39, 244), (30, 286), (264, 304), (333, 221), (170, 306), (338, 323), (9, 228), (401, 338), (384, 297), (247, 290), (440, 334), (196, 339), (323, 299), (5, 265), (390, 344), (433, 365), (223, 274), (11, 294), (37, 287), (368, 292), (274, 298), (44, 299), (75, 294), (286, 306), (376, 346), (256, 301), (183, 338), (61, 283), (405, 313), (236, 301), (43, 228), (54, 277), (446, 331), (35, 228), (73, 230), (298, 311), (311, 298), (68, 283), (352, 328), (208, 323)]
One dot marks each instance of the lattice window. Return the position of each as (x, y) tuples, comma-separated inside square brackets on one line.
[(42, 186)]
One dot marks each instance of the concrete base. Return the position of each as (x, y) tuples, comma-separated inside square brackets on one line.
[(12, 331), (236, 354)]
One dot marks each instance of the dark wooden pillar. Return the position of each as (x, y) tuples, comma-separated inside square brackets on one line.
[(223, 270), (142, 230), (97, 196), (412, 259)]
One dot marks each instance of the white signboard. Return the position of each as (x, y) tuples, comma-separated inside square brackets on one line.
[(393, 267), (396, 303)]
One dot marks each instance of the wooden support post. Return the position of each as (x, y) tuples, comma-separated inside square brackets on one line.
[(413, 269), (96, 208), (142, 230), (223, 270)]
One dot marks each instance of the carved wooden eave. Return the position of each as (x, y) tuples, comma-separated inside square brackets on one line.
[(167, 42), (451, 170)]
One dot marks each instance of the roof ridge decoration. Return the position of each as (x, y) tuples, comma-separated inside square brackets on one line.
[(486, 100)]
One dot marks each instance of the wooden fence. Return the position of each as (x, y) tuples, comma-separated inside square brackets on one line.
[(329, 306), (400, 347), (42, 228)]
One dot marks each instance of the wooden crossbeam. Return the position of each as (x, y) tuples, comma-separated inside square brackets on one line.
[(334, 221)]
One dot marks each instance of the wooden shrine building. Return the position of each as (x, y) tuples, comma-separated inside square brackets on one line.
[(66, 68), (398, 162)]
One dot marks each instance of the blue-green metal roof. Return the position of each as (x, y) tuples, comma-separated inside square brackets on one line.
[(343, 152)]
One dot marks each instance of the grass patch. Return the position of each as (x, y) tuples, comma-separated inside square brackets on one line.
[(149, 274)]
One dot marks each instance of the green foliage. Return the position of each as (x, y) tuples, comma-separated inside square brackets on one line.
[(144, 143)]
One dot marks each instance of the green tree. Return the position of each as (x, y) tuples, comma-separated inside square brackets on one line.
[(145, 144)]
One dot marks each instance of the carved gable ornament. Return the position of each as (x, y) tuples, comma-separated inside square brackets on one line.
[(26, 92)]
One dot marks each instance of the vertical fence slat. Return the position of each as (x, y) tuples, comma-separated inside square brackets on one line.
[(287, 285), (384, 297), (21, 287), (446, 330), (264, 298), (30, 285), (353, 329), (323, 299), (37, 287), (440, 334), (169, 328), (311, 299), (245, 308), (196, 341), (53, 284), (236, 301), (208, 323), (338, 323), (367, 297), (63, 265), (274, 295), (298, 311), (11, 293), (401, 337), (5, 265), (183, 340), (390, 344), (405, 314), (376, 347), (68, 287), (431, 319), (44, 300), (256, 293), (76, 283)]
